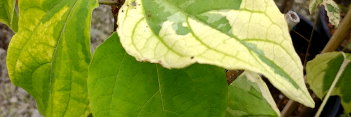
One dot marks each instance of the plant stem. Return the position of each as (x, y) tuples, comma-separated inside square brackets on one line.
[(340, 34), (341, 70), (289, 108), (108, 2), (307, 53)]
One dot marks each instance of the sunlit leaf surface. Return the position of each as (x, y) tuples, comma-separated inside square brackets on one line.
[(233, 34), (50, 54)]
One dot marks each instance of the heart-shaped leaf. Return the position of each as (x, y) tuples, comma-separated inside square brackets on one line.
[(50, 54), (233, 34), (8, 15), (323, 70), (119, 86), (249, 95)]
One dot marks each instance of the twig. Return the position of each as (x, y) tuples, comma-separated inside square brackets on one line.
[(309, 46), (340, 34), (303, 37)]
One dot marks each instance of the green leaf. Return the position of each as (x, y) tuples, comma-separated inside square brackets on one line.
[(233, 34), (50, 54), (8, 14), (249, 95), (333, 12), (322, 71), (119, 86), (314, 4)]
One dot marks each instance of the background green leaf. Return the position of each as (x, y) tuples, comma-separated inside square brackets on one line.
[(333, 10), (322, 71), (248, 95), (8, 14), (233, 34), (314, 4), (50, 54), (118, 85)]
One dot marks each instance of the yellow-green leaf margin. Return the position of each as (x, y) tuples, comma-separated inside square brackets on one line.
[(50, 54)]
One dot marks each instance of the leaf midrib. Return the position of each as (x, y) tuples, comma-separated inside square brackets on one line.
[(54, 60), (160, 90), (115, 83)]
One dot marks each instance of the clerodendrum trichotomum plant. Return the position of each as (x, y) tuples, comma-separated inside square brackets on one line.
[(166, 59)]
